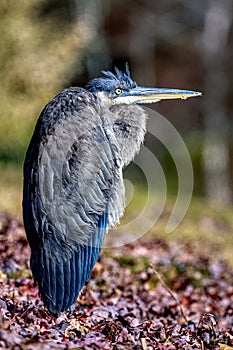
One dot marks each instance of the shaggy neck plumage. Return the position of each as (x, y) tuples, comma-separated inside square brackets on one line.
[(129, 127)]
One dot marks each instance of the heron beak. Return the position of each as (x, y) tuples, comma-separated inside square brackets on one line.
[(151, 95)]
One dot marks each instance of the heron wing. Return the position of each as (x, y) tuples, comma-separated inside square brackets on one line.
[(69, 171)]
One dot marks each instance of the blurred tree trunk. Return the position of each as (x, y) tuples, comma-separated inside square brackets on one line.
[(142, 43), (89, 15), (214, 51)]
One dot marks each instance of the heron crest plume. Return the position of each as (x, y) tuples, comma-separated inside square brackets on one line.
[(110, 81)]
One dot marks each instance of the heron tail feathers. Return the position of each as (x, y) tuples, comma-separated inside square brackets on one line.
[(61, 278)]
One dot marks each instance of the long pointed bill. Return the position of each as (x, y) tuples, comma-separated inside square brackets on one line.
[(152, 95)]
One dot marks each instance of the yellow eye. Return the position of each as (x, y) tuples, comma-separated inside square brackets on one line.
[(118, 91)]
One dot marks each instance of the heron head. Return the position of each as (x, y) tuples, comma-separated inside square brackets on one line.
[(119, 88)]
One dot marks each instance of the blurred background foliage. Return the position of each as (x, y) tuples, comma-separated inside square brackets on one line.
[(47, 45)]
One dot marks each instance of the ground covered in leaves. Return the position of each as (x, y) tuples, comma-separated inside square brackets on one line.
[(146, 295)]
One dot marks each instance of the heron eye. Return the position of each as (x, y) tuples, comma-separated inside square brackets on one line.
[(118, 91)]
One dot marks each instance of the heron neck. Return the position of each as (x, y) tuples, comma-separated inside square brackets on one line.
[(128, 123)]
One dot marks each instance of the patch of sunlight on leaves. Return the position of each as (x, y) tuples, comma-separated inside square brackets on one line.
[(136, 265), (207, 227), (23, 273)]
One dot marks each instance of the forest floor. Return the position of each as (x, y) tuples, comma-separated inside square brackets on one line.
[(151, 294)]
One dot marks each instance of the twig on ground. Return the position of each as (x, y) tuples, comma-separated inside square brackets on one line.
[(159, 277)]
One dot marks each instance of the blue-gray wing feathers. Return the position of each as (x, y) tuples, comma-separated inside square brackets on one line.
[(69, 172)]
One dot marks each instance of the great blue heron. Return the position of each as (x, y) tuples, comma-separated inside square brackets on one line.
[(73, 184)]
